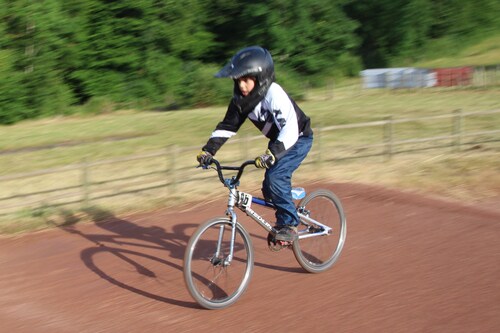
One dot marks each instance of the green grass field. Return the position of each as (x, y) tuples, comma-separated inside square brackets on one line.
[(443, 54), (34, 145), (472, 175)]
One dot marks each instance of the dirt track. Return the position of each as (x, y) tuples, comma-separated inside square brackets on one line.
[(410, 264)]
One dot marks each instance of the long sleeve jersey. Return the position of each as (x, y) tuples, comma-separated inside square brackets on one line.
[(277, 116)]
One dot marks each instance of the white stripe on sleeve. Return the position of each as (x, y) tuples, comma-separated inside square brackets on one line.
[(222, 134)]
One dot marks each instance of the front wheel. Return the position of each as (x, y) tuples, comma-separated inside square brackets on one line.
[(213, 279), (314, 250)]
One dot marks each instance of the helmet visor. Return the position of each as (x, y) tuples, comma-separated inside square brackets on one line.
[(235, 72), (226, 71)]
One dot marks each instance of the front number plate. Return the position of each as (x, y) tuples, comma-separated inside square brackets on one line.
[(245, 199)]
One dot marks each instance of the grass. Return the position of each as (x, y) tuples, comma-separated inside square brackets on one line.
[(131, 132), (448, 54), (472, 176)]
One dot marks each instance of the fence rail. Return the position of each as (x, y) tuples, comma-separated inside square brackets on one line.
[(167, 175)]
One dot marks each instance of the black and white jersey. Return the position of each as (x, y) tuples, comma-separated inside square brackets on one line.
[(277, 116)]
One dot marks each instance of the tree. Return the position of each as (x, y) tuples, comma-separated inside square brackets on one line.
[(37, 47), (309, 36), (135, 48), (416, 25), (313, 36)]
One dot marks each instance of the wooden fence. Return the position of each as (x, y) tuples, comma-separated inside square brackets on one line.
[(82, 184)]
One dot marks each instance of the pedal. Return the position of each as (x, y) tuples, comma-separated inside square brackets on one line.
[(285, 243), (276, 245), (273, 245)]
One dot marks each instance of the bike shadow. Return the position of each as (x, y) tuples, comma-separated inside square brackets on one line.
[(126, 240)]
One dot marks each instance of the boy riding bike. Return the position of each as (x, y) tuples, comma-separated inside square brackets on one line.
[(258, 97)]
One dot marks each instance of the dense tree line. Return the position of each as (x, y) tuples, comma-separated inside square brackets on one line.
[(57, 53)]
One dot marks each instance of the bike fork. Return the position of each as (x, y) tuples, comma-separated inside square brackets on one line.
[(226, 261), (230, 212)]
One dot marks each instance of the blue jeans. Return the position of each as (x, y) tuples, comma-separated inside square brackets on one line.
[(277, 184)]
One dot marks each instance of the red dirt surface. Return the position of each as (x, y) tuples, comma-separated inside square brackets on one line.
[(410, 264)]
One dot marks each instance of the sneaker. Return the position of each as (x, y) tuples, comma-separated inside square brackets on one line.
[(286, 234)]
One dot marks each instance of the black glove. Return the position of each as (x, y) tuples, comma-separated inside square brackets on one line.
[(265, 161), (204, 158)]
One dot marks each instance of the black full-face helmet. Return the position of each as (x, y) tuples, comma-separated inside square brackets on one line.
[(251, 61)]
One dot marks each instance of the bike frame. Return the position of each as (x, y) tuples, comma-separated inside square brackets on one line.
[(243, 201)]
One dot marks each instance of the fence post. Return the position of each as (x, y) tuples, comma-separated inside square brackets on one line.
[(167, 170), (317, 140), (457, 130), (85, 178), (172, 170), (496, 76), (388, 137)]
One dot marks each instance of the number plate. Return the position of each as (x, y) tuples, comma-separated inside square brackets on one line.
[(245, 199)]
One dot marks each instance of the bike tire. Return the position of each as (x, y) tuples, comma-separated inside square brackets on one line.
[(317, 254), (212, 284)]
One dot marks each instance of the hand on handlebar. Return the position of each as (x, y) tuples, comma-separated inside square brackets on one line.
[(205, 158), (265, 161)]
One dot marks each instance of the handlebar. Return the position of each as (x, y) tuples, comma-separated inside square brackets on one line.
[(234, 180)]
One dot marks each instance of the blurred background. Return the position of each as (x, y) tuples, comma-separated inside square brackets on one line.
[(96, 89), (59, 54)]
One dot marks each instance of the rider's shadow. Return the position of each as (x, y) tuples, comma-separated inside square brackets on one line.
[(124, 240)]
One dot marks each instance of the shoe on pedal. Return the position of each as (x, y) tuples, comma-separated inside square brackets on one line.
[(286, 234)]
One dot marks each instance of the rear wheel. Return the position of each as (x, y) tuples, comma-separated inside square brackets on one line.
[(317, 254), (211, 280)]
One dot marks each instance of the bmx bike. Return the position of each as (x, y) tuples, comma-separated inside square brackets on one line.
[(219, 258)]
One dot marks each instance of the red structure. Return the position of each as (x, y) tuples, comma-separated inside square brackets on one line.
[(456, 76)]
